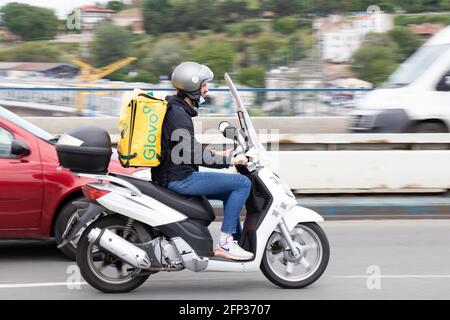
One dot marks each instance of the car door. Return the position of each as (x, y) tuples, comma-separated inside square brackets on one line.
[(21, 184)]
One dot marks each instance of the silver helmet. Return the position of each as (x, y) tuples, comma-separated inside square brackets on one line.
[(189, 76)]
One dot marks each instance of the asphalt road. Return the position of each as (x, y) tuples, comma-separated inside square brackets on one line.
[(382, 259)]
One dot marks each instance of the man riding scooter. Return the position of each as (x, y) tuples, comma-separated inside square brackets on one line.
[(182, 155)]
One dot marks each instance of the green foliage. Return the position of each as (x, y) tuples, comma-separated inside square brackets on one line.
[(164, 56), (285, 25), (374, 62), (387, 6), (31, 52), (251, 29), (406, 40), (252, 77), (111, 43), (219, 56), (162, 16), (119, 75), (116, 5), (285, 7), (404, 20), (264, 48), (143, 76), (421, 5), (29, 22)]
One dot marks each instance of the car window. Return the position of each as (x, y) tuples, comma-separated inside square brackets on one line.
[(415, 65), (444, 83), (5, 143), (21, 122)]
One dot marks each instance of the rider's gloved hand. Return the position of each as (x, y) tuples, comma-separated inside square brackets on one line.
[(240, 159)]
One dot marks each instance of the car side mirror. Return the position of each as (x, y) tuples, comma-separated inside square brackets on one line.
[(444, 84), (223, 125), (20, 148)]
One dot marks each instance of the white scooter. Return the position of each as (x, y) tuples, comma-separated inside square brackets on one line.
[(133, 227)]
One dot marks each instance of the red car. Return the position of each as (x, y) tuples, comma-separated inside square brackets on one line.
[(36, 194)]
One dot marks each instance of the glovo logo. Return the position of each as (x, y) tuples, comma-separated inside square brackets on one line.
[(150, 147)]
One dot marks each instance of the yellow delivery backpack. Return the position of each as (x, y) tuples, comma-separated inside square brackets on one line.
[(141, 119)]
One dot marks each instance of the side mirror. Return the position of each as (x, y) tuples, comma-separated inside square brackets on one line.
[(20, 148), (444, 84), (228, 130), (223, 125)]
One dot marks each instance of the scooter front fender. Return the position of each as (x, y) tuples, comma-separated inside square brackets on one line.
[(298, 214)]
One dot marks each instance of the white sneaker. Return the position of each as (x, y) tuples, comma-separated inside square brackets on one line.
[(231, 250)]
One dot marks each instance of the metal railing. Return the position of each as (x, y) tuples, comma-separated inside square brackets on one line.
[(104, 101)]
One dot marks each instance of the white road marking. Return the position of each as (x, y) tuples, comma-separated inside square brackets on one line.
[(45, 284), (62, 284), (399, 276)]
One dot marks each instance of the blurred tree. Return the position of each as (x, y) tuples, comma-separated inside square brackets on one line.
[(164, 56), (283, 7), (235, 10), (407, 41), (29, 22), (144, 76), (116, 5), (111, 43), (219, 56), (179, 15), (387, 6), (374, 63), (285, 25), (251, 29), (444, 5), (31, 52), (252, 77), (264, 48), (155, 15)]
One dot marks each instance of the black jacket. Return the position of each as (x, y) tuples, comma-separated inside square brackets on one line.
[(181, 153)]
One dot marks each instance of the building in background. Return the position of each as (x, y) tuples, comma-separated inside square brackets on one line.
[(29, 70), (7, 37), (426, 30), (91, 16), (339, 36), (130, 18)]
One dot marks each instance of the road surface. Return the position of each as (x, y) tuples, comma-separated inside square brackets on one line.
[(370, 259)]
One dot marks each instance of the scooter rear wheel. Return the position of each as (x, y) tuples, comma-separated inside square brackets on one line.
[(283, 269), (102, 270)]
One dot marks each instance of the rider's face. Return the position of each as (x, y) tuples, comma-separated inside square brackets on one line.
[(204, 89)]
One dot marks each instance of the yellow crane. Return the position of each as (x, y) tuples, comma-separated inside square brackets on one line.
[(89, 74)]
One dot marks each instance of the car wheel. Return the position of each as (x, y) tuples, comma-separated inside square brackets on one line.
[(430, 127), (65, 215)]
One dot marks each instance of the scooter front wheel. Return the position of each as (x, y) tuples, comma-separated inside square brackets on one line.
[(284, 269)]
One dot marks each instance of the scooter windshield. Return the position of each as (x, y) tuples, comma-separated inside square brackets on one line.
[(245, 121)]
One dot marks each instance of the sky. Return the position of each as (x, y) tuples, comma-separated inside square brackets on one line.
[(61, 7)]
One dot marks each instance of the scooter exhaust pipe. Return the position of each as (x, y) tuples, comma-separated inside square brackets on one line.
[(119, 247)]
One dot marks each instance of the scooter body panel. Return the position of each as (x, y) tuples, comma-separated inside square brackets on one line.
[(299, 214), (141, 208), (282, 202)]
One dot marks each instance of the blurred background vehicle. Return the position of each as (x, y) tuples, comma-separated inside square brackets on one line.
[(36, 194), (415, 98)]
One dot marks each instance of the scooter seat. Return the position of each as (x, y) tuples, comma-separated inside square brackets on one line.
[(194, 207)]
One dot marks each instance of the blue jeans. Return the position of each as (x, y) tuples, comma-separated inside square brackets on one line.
[(232, 189)]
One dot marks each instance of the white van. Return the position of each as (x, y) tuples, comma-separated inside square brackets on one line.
[(415, 98)]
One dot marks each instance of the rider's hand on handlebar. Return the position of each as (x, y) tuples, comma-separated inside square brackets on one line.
[(240, 159)]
